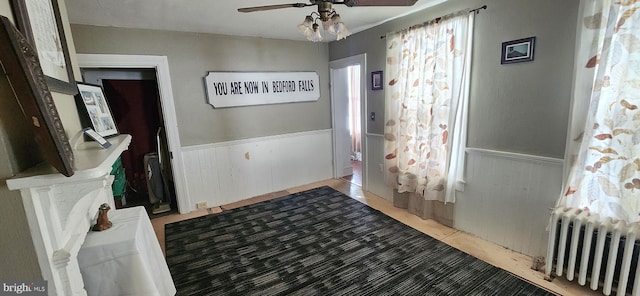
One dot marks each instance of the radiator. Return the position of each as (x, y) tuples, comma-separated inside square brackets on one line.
[(575, 243)]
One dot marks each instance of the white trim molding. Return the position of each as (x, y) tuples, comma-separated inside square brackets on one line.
[(517, 156), (253, 140)]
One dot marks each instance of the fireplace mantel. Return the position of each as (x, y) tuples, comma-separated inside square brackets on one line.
[(60, 210)]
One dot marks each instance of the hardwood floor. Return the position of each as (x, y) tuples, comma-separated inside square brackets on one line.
[(501, 257), (356, 177)]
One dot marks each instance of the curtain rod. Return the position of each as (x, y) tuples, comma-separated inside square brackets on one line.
[(476, 11)]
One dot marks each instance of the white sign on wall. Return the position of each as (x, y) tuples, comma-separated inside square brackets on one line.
[(230, 89)]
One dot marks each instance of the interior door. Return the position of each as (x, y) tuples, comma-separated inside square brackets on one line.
[(340, 105)]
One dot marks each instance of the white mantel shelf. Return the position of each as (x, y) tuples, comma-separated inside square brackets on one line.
[(91, 161), (60, 210)]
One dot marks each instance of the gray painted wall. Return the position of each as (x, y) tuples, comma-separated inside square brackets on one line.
[(18, 151), (191, 55), (520, 107)]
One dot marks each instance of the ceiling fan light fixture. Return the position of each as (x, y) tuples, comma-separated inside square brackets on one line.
[(337, 27), (315, 35), (325, 10), (343, 34), (331, 22), (335, 18), (306, 26)]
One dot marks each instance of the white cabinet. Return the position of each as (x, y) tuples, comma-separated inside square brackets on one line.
[(60, 210)]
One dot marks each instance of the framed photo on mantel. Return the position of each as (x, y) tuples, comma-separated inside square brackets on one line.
[(41, 24), (94, 110)]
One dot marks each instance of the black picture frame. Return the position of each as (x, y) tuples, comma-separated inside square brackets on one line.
[(517, 51), (94, 110), (376, 80), (47, 36), (20, 62)]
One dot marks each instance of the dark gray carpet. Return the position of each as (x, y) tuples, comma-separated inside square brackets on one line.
[(321, 242)]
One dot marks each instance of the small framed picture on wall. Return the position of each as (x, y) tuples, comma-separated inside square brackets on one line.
[(516, 51), (376, 80)]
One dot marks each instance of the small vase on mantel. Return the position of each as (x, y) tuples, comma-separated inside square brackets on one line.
[(102, 222)]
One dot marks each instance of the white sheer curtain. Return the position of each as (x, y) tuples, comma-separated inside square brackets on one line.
[(425, 106), (603, 149), (354, 112)]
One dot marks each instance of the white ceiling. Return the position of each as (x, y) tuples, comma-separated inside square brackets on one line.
[(222, 17)]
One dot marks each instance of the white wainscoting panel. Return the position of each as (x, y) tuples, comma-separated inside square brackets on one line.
[(375, 161), (223, 173), (507, 198)]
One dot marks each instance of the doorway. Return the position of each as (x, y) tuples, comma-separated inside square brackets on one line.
[(348, 106), (134, 100), (160, 65)]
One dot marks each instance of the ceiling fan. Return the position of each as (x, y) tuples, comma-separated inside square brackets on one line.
[(330, 18), (349, 3)]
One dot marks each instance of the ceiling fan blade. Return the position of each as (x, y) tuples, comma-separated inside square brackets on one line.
[(352, 3), (271, 7)]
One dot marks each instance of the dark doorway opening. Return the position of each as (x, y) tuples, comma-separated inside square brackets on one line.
[(134, 100)]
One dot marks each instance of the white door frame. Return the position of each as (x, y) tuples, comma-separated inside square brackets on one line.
[(360, 60), (161, 65)]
